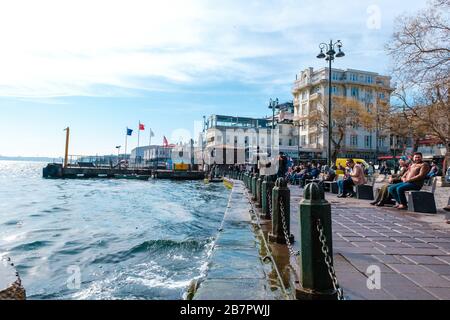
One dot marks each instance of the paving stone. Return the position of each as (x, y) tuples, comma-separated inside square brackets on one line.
[(425, 260), (442, 269), (407, 268), (429, 280), (441, 293), (412, 251), (387, 258)]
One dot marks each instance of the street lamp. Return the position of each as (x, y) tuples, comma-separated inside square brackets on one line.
[(273, 104), (329, 56)]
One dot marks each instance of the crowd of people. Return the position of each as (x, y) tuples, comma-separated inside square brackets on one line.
[(409, 174)]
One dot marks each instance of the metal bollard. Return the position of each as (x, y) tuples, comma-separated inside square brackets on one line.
[(254, 179), (266, 197), (281, 200), (315, 279), (245, 179), (258, 191)]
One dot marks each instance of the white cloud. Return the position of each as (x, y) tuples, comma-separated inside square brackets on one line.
[(59, 48)]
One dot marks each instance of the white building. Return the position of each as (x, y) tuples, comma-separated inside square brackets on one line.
[(310, 92)]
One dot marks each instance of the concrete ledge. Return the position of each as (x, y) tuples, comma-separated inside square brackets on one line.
[(235, 271)]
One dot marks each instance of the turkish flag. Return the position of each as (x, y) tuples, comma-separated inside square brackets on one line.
[(141, 126)]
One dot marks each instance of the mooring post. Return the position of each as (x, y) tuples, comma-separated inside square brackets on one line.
[(258, 191), (281, 218), (266, 197), (316, 237), (244, 178), (254, 179)]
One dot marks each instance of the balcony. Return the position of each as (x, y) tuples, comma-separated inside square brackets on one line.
[(315, 96)]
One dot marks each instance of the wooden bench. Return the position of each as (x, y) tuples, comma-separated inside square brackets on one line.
[(423, 201)]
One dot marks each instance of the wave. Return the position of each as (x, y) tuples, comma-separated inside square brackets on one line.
[(153, 247), (32, 245)]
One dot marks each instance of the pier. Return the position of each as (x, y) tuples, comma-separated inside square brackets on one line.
[(58, 171)]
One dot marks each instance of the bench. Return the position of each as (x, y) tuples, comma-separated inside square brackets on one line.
[(423, 201), (365, 191), (331, 186)]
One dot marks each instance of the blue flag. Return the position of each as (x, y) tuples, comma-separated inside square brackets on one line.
[(129, 132)]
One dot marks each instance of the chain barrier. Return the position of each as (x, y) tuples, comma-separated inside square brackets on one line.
[(269, 202), (329, 261), (292, 252)]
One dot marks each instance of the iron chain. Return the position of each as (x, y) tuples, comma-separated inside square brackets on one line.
[(269, 202), (292, 252), (329, 261)]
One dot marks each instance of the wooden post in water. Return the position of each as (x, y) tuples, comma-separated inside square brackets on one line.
[(66, 154)]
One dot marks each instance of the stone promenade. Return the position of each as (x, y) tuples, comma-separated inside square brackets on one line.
[(412, 251)]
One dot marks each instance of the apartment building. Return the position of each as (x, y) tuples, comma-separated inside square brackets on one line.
[(310, 93)]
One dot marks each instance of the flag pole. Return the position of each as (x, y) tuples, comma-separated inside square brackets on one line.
[(139, 133), (126, 141)]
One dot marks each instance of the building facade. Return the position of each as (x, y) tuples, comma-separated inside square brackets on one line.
[(310, 93), (243, 140)]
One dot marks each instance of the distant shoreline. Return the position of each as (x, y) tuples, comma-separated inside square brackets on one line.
[(34, 159)]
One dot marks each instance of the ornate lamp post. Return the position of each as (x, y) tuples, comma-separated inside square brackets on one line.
[(329, 56), (273, 104)]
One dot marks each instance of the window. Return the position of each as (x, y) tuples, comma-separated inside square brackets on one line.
[(368, 141), (334, 90), (369, 79), (355, 92), (303, 109), (335, 76), (290, 142), (303, 95), (302, 125), (354, 140), (303, 140), (353, 77), (228, 139), (281, 142)]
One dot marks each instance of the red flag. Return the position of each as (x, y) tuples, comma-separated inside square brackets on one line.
[(141, 126), (165, 142)]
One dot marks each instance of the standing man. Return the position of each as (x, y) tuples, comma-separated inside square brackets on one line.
[(412, 180)]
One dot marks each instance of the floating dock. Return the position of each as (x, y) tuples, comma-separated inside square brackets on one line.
[(58, 171)]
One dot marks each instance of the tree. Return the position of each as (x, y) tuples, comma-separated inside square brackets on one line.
[(348, 115), (419, 46), (420, 50)]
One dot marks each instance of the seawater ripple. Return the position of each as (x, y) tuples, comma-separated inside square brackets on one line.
[(128, 239)]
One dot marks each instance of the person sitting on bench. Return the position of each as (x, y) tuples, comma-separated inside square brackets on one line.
[(355, 177), (412, 180), (384, 196)]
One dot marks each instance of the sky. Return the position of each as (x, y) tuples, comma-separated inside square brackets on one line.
[(102, 66)]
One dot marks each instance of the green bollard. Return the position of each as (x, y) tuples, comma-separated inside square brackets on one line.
[(315, 280), (258, 191), (266, 197), (281, 200), (254, 179), (245, 179)]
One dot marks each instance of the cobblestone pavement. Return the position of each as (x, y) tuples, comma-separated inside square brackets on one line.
[(412, 251)]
